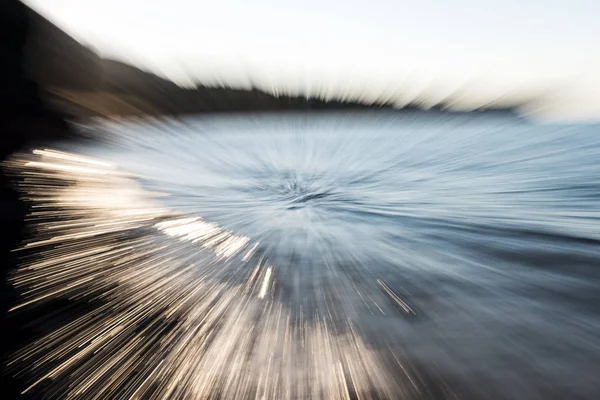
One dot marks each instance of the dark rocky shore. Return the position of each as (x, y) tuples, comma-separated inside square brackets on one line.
[(25, 120)]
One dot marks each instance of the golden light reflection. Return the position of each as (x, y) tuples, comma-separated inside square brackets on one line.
[(176, 307)]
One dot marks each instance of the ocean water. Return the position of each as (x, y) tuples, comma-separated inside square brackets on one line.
[(366, 255)]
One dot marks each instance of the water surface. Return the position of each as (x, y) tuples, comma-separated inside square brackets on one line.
[(329, 256)]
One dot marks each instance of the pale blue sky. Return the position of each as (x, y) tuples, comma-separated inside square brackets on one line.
[(379, 48)]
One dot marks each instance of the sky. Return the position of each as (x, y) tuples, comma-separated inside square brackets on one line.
[(396, 49)]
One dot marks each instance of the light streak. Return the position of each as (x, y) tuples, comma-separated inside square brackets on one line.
[(175, 306)]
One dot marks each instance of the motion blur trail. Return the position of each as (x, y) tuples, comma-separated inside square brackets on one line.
[(334, 256)]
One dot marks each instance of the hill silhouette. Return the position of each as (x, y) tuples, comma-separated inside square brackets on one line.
[(79, 82)]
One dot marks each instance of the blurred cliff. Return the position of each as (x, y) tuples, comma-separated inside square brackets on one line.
[(77, 81), (81, 83)]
